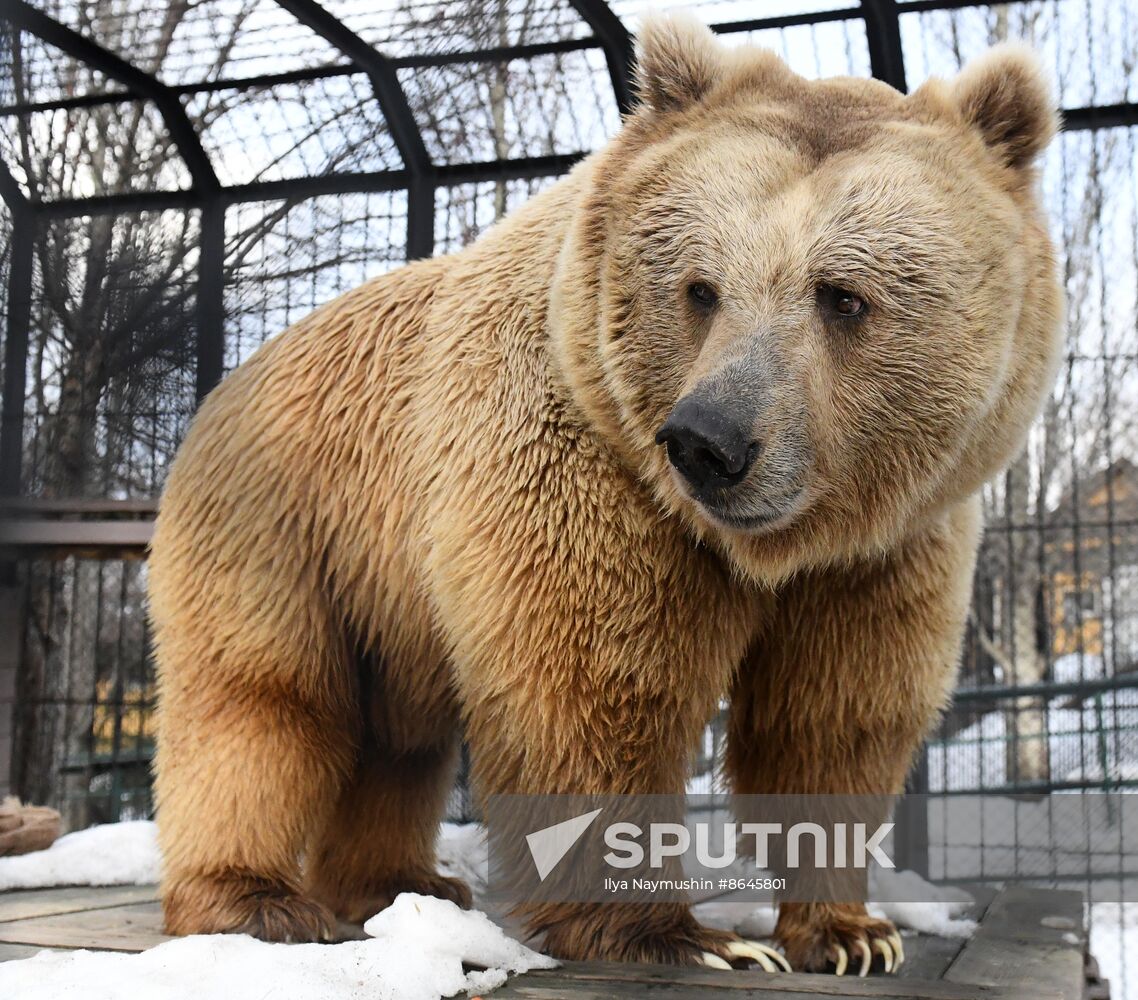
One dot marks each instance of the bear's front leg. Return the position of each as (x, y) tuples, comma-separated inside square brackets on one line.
[(606, 740), (835, 697), (590, 668)]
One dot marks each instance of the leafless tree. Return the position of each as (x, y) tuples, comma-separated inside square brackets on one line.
[(112, 356), (1028, 548)]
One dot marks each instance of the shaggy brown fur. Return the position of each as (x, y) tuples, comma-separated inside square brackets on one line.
[(438, 498)]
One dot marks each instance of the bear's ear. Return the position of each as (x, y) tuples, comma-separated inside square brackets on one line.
[(1006, 96), (678, 61)]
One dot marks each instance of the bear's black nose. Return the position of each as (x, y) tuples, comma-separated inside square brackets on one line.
[(709, 448)]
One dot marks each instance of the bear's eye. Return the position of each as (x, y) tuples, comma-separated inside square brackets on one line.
[(838, 301), (702, 294)]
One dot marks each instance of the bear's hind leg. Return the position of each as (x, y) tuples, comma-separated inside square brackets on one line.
[(379, 838)]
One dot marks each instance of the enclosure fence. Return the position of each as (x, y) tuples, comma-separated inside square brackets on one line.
[(180, 182)]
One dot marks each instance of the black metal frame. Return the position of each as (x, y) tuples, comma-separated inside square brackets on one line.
[(16, 344), (397, 112), (617, 43), (883, 33), (139, 84)]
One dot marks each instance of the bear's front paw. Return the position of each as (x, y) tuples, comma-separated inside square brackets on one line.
[(245, 905), (828, 937), (665, 934)]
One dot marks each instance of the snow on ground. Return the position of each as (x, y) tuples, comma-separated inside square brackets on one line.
[(751, 920), (911, 902), (416, 947), (1114, 944), (415, 951), (127, 854), (114, 854), (1080, 739), (1077, 836)]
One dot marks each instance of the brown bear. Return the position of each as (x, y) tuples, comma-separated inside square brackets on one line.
[(708, 418)]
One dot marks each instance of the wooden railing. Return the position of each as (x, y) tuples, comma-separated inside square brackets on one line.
[(58, 528)]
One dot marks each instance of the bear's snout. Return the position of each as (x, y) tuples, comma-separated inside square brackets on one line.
[(707, 445)]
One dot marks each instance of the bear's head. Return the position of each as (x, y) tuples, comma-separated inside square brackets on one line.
[(811, 314)]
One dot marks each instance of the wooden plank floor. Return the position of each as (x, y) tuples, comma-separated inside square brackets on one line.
[(1029, 947)]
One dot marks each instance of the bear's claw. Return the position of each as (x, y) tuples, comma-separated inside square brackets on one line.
[(891, 951), (767, 958), (762, 955), (841, 961), (890, 948)]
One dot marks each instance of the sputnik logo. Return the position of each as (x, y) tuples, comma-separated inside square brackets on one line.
[(548, 846)]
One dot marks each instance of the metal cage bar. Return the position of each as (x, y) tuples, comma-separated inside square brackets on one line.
[(396, 111), (309, 75), (182, 130), (617, 43), (315, 185), (16, 339), (210, 299), (883, 33)]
